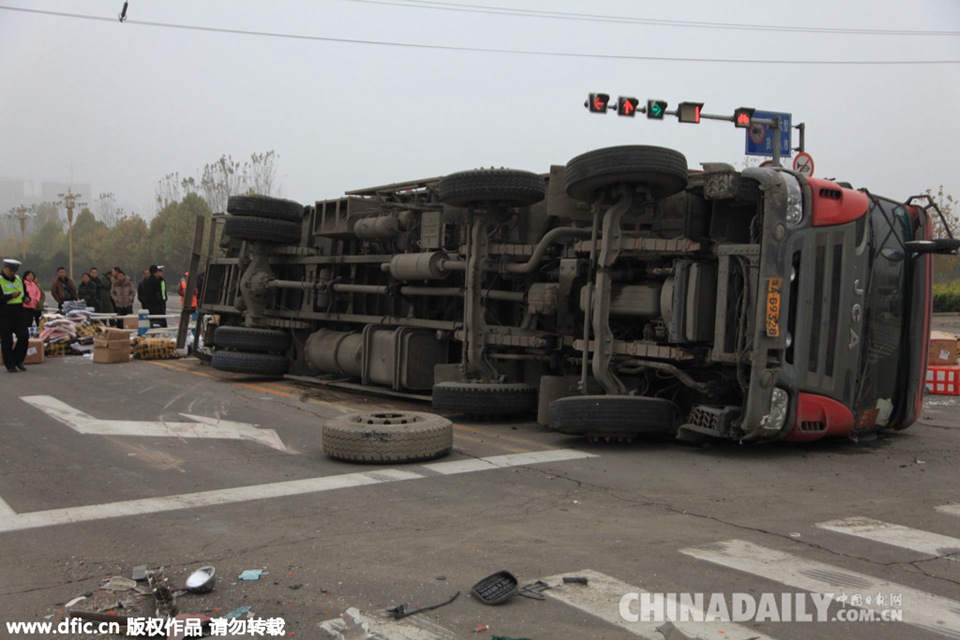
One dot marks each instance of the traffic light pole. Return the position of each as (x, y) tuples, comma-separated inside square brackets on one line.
[(771, 123), (690, 112)]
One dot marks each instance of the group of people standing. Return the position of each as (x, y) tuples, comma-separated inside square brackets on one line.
[(21, 303), (114, 292)]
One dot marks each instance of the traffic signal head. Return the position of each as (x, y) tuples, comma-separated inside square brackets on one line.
[(656, 109), (598, 102), (627, 106), (689, 112), (742, 117)]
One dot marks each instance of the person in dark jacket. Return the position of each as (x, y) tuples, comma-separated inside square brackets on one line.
[(140, 297), (89, 292), (63, 288), (155, 295), (102, 283)]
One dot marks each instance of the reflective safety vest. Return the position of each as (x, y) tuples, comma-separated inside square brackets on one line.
[(15, 287)]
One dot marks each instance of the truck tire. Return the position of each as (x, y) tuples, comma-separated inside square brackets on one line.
[(259, 229), (265, 207), (662, 171), (510, 186), (612, 417), (257, 364), (387, 437), (478, 399), (251, 339)]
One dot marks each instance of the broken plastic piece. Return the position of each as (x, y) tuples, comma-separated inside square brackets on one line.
[(534, 590), (251, 574), (404, 610), (496, 588), (119, 583), (236, 613), (162, 595)]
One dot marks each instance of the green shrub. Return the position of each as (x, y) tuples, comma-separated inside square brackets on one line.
[(946, 296)]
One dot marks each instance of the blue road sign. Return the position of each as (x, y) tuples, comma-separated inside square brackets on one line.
[(759, 138)]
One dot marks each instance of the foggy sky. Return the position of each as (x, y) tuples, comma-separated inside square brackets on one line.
[(179, 84)]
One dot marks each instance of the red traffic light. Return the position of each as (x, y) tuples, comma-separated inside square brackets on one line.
[(742, 117), (689, 112), (598, 102), (627, 106)]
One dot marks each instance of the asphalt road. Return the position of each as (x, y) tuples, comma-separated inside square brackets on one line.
[(77, 508)]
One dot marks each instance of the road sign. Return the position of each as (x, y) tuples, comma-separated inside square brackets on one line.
[(803, 164), (764, 146)]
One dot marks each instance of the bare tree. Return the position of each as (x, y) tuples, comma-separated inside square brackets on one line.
[(169, 189), (107, 210), (945, 267), (221, 179), (261, 172)]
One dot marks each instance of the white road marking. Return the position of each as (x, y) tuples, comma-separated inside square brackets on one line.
[(201, 427), (5, 509), (897, 535), (353, 623), (69, 515), (601, 598), (920, 609), (950, 509)]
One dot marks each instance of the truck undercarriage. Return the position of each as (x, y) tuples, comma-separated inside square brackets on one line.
[(618, 296)]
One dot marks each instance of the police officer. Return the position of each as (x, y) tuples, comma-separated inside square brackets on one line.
[(12, 318)]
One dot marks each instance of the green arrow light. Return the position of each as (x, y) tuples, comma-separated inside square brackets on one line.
[(656, 109)]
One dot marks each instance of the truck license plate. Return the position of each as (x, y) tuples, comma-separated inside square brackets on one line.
[(773, 307)]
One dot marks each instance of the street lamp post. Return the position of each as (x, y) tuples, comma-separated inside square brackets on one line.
[(22, 213), (70, 201)]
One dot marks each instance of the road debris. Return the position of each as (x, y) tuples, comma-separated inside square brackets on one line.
[(251, 574), (534, 590), (202, 580), (403, 610), (165, 600), (496, 588)]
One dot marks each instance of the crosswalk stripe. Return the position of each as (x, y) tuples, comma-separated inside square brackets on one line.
[(920, 609), (601, 598), (950, 509), (897, 535)]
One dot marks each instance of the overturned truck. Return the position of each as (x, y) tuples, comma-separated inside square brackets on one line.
[(620, 295)]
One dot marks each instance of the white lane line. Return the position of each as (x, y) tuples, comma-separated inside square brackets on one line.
[(16, 522), (919, 608), (5, 509), (950, 509), (601, 598), (897, 535)]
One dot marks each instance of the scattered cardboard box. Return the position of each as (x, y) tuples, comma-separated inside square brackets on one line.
[(111, 346), (34, 351), (110, 356), (942, 350)]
